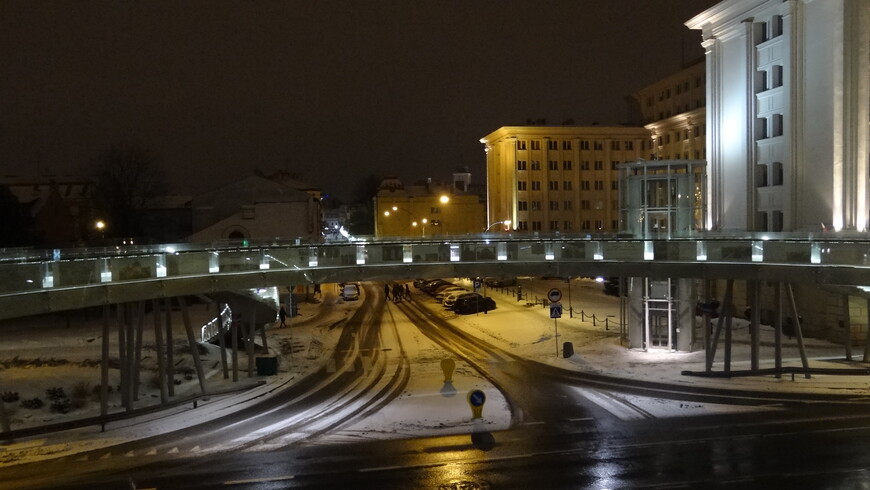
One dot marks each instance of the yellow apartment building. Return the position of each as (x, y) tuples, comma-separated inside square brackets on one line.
[(674, 112), (428, 209), (559, 178)]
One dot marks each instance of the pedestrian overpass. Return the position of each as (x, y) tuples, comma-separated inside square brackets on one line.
[(43, 281)]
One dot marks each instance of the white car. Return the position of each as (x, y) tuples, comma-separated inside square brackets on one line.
[(350, 292), (440, 296), (451, 300)]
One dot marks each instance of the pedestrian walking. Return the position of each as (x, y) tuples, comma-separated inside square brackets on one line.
[(386, 292), (407, 292), (397, 293), (282, 316)]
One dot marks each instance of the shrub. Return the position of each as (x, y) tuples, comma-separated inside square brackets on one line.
[(81, 392), (62, 405), (55, 393), (32, 404), (9, 396)]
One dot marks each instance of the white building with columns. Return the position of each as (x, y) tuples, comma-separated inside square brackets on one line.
[(788, 105)]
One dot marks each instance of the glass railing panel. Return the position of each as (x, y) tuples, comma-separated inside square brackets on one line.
[(20, 277), (729, 251), (845, 253), (623, 250), (573, 251), (239, 260), (787, 252), (68, 273)]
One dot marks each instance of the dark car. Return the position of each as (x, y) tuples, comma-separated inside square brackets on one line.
[(500, 282), (431, 286), (474, 305), (611, 286)]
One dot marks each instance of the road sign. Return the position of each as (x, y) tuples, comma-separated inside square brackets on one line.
[(476, 398), (554, 295), (477, 284), (555, 310)]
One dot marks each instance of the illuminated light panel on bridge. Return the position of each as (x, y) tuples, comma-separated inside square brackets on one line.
[(649, 252), (701, 250), (758, 251)]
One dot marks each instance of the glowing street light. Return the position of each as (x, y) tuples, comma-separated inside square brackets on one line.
[(507, 225)]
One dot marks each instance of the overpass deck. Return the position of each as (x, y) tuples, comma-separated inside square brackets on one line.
[(35, 281)]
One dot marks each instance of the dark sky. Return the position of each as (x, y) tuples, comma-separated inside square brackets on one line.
[(330, 90)]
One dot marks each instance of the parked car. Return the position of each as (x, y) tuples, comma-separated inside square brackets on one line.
[(451, 300), (500, 282), (431, 286), (442, 288), (350, 292), (440, 296), (474, 305)]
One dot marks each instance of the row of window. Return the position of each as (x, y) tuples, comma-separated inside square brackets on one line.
[(698, 155), (679, 109), (765, 31), (683, 134), (586, 225), (565, 205), (766, 80), (566, 165), (567, 185), (679, 88), (567, 145)]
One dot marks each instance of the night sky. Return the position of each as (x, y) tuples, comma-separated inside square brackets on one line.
[(330, 90)]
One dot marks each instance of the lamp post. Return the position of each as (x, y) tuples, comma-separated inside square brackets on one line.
[(507, 225), (414, 221), (100, 225)]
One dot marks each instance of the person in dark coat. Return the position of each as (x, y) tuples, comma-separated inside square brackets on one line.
[(387, 292), (282, 316)]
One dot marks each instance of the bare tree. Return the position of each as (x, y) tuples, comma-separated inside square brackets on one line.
[(128, 179)]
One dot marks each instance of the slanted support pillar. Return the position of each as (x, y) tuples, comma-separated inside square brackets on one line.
[(234, 339), (777, 330), (797, 329), (726, 311), (104, 364), (222, 341), (161, 353), (191, 341), (755, 320), (137, 348), (170, 347), (867, 341), (847, 328)]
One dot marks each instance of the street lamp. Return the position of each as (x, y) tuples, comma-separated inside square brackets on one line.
[(100, 225), (507, 225), (414, 221)]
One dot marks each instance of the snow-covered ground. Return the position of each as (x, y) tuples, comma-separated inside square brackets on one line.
[(47, 352)]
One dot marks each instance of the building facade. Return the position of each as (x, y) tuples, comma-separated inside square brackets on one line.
[(674, 112), (559, 178), (256, 208), (788, 100), (428, 209)]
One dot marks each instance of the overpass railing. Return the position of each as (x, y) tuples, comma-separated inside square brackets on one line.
[(27, 270)]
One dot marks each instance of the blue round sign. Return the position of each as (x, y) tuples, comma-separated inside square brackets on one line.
[(476, 398)]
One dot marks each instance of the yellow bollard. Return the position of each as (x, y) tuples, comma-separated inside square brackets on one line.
[(476, 399), (447, 365)]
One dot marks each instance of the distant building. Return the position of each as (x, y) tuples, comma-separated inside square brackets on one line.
[(429, 209), (61, 207), (559, 178), (256, 208), (167, 219), (788, 100), (674, 111)]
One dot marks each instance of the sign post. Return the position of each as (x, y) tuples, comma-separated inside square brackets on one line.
[(555, 314), (476, 399), (555, 295)]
